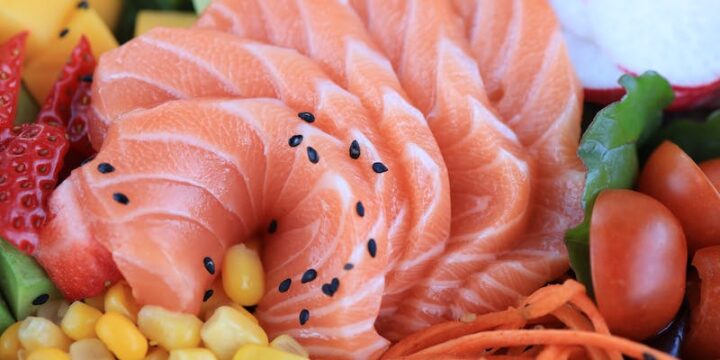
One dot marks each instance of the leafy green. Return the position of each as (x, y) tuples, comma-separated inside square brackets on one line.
[(700, 140), (609, 150)]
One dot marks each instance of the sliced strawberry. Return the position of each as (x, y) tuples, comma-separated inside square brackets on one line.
[(12, 55), (31, 157), (68, 102)]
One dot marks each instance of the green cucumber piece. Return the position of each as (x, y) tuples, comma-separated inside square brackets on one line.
[(24, 284), (27, 107), (6, 319)]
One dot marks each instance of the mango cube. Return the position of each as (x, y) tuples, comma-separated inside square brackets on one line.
[(44, 19)]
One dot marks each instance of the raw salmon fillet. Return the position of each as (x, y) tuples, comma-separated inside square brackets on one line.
[(530, 80), (489, 172), (334, 36), (200, 175), (213, 64)]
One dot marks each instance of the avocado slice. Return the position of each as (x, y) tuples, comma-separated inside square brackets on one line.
[(24, 284), (5, 318), (27, 107)]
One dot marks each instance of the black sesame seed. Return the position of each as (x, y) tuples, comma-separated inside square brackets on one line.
[(87, 78), (312, 155), (306, 116), (309, 276), (64, 32), (304, 316), (121, 198), (327, 290), (372, 247), (379, 167), (41, 299), (208, 294), (348, 266), (331, 288), (105, 168), (209, 265), (295, 140), (83, 5), (360, 209), (272, 227), (648, 356), (285, 285), (250, 308), (354, 149)]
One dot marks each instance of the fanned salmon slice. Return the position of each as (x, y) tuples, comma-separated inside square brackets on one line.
[(199, 175), (333, 35), (488, 169), (528, 74)]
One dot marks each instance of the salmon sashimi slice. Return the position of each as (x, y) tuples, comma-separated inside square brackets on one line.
[(530, 80), (211, 63), (489, 172), (333, 35), (192, 177)]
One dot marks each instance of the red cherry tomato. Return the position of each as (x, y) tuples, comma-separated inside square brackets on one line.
[(704, 328), (711, 168), (672, 177), (638, 257)]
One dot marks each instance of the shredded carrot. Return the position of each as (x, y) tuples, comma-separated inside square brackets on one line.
[(527, 332)]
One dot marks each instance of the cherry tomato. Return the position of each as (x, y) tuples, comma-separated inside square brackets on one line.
[(711, 168), (672, 177), (638, 257), (704, 328)]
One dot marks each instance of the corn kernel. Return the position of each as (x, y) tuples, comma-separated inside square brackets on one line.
[(119, 299), (48, 354), (36, 332), (90, 349), (157, 353), (22, 354), (171, 330), (97, 302), (192, 354), (286, 343), (254, 351), (242, 275), (228, 329), (9, 342), (79, 321), (52, 310), (121, 336)]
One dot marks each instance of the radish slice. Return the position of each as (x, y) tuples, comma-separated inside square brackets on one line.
[(678, 39)]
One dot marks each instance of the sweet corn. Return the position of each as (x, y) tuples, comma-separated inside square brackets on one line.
[(119, 299), (254, 351), (52, 310), (97, 302), (228, 329), (157, 353), (121, 336), (171, 330), (48, 354), (90, 349), (287, 343), (36, 332), (192, 354), (242, 275), (22, 354), (79, 321), (9, 342)]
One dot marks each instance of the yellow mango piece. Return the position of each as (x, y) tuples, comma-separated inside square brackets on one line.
[(44, 19), (42, 71), (109, 11), (148, 19)]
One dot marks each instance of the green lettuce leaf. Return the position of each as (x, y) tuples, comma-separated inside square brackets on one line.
[(609, 150), (700, 140)]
